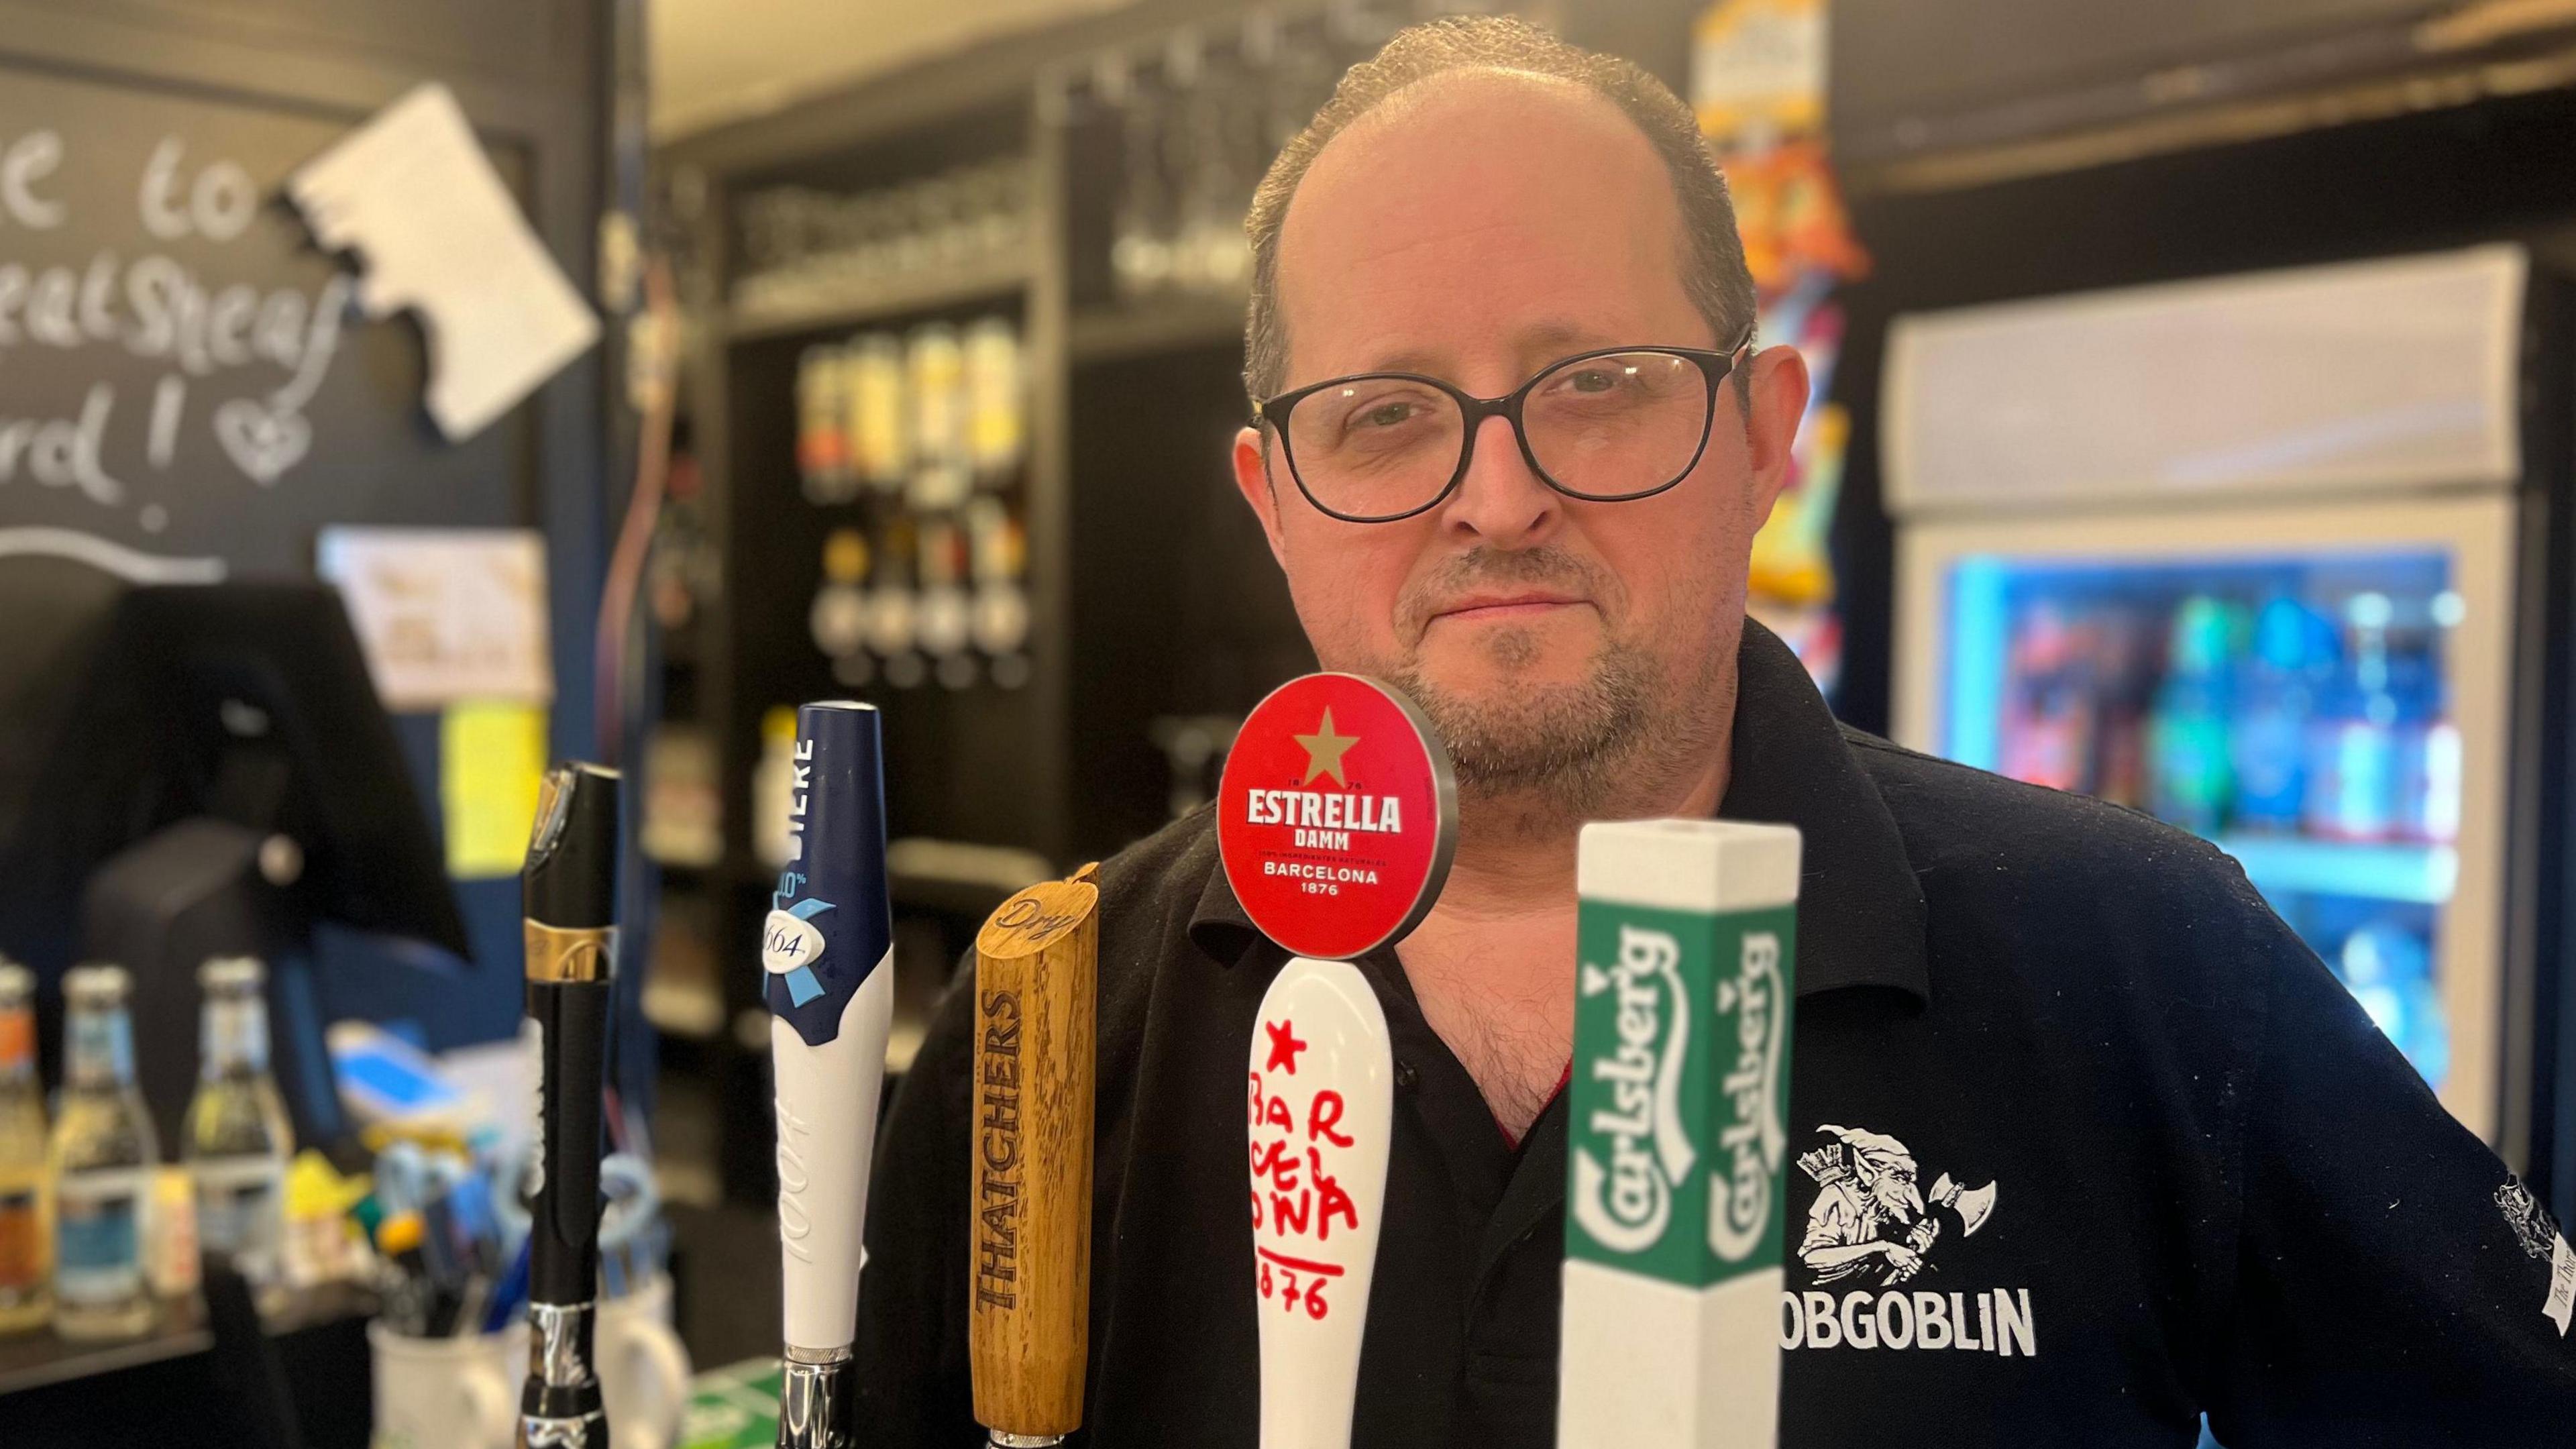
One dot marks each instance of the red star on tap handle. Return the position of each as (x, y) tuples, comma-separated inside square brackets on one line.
[(1284, 1046)]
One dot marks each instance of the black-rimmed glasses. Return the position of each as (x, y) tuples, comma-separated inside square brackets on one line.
[(1604, 427)]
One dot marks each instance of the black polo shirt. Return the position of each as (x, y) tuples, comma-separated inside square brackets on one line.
[(2201, 1180)]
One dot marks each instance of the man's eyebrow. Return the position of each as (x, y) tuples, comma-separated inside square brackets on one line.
[(1542, 341), (1410, 360)]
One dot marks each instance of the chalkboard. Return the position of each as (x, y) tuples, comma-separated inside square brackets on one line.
[(185, 384)]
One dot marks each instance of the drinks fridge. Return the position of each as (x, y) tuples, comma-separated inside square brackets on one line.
[(2248, 554)]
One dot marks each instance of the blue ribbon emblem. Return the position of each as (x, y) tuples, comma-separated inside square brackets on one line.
[(800, 943)]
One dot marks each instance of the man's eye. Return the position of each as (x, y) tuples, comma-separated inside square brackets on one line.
[(1386, 415), (1594, 379)]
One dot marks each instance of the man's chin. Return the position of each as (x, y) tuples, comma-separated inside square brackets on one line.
[(1498, 692), (1534, 729), (1493, 672)]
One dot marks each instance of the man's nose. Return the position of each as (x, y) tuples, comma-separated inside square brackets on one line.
[(1500, 500)]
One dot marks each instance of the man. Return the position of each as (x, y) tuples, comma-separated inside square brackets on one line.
[(2204, 1183)]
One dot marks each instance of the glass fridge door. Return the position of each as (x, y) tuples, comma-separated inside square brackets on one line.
[(2321, 693)]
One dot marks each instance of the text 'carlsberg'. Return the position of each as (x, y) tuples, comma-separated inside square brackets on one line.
[(1628, 1206), (1636, 1149)]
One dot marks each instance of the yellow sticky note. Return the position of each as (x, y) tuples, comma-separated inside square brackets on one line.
[(491, 754)]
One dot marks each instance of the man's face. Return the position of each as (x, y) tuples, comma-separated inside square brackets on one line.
[(1477, 233)]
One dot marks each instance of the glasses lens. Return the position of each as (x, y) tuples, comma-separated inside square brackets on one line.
[(1375, 447), (1618, 425)]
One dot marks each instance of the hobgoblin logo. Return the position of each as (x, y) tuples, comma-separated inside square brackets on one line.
[(1626, 1204), (1873, 1224)]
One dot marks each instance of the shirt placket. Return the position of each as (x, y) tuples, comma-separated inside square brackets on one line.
[(1507, 1203)]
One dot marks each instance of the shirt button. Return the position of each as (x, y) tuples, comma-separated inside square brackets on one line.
[(1405, 1076)]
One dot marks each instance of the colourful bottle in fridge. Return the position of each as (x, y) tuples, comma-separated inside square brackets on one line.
[(2269, 745), (2047, 734), (2189, 774), (2352, 759), (2430, 758), (2389, 969)]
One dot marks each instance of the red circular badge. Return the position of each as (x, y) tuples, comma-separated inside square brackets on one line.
[(1337, 816)]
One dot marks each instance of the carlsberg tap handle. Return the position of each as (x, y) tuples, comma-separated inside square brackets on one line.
[(826, 956), (1685, 986)]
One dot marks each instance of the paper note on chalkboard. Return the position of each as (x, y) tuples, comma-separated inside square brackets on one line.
[(436, 231), (445, 614)]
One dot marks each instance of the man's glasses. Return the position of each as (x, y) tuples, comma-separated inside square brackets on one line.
[(1621, 423)]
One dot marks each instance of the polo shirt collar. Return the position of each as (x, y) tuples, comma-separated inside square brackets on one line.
[(1860, 910), (1861, 915)]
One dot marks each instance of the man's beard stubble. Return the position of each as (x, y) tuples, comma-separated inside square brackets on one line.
[(1561, 750)]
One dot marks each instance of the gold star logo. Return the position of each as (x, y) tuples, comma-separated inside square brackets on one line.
[(1324, 751)]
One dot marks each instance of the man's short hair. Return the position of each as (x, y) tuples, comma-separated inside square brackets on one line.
[(1713, 268)]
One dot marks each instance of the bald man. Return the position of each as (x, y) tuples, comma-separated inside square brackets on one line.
[(1512, 437)]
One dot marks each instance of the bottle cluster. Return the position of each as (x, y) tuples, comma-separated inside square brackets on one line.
[(91, 1240), (912, 444)]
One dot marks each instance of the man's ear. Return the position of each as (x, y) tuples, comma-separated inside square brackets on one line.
[(1778, 380), (1252, 479)]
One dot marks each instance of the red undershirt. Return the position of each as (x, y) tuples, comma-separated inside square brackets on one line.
[(1564, 1079)]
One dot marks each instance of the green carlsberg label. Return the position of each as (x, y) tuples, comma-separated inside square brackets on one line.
[(1680, 1096)]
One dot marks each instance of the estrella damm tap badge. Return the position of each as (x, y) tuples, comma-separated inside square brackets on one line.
[(830, 924), (1336, 816), (1680, 1093)]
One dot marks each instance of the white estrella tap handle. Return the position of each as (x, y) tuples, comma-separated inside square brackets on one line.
[(1321, 1104)]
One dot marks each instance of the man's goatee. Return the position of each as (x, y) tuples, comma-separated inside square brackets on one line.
[(1563, 743)]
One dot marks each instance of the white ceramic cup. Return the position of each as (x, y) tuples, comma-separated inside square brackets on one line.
[(447, 1393), (643, 1368)]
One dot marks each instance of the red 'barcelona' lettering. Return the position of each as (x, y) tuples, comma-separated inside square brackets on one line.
[(1321, 1116), (1330, 1199), (1293, 1193), (1275, 1164)]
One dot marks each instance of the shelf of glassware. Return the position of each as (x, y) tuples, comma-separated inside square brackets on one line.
[(1177, 323), (827, 295), (2415, 872)]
